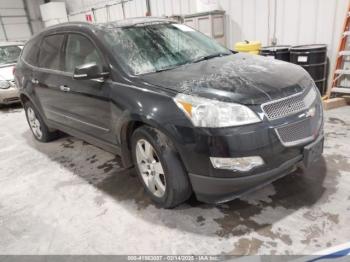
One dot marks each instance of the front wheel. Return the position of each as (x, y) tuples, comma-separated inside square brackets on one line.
[(159, 168)]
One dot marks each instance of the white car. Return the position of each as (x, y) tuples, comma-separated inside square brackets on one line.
[(9, 53)]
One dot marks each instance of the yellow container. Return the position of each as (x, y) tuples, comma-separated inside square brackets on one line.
[(251, 47)]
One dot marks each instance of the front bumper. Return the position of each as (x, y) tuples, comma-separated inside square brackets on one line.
[(9, 96), (214, 185), (219, 190)]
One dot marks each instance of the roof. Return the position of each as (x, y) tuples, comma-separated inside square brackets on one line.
[(103, 26), (135, 21), (118, 23), (11, 43)]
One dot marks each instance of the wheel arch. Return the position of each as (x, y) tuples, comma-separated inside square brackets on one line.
[(25, 98), (126, 132)]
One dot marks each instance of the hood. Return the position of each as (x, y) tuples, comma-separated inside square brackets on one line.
[(240, 78), (6, 72)]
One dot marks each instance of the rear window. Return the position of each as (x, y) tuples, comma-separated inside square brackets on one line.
[(30, 52), (50, 52)]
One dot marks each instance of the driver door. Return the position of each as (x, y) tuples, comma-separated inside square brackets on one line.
[(86, 104)]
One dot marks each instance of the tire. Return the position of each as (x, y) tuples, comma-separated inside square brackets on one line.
[(174, 181), (38, 127)]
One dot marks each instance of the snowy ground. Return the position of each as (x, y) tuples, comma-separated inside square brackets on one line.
[(68, 197)]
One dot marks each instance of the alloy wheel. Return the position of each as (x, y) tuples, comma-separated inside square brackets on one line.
[(34, 123), (150, 168)]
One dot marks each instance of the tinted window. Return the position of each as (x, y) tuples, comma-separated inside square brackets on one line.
[(9, 54), (79, 51), (30, 52), (50, 52)]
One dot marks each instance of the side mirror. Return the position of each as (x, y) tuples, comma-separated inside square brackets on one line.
[(89, 71)]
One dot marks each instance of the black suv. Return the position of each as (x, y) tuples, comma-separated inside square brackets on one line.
[(189, 114)]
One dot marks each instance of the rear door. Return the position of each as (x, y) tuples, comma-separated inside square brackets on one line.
[(27, 64), (47, 77)]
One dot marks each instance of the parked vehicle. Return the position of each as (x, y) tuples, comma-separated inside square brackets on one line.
[(9, 53), (189, 114)]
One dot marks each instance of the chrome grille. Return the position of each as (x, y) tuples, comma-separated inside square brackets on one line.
[(289, 105), (11, 100), (284, 107), (302, 131), (295, 133)]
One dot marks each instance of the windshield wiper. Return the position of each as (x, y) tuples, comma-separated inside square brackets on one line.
[(202, 58), (207, 57), (165, 69), (170, 67)]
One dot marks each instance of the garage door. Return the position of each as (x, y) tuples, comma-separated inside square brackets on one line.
[(13, 21)]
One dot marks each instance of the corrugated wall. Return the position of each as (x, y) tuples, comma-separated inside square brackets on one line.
[(172, 7), (105, 10), (19, 19), (133, 8), (297, 21)]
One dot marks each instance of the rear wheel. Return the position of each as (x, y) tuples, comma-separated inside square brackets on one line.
[(159, 168), (39, 129)]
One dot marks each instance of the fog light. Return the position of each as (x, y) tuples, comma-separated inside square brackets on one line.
[(242, 164)]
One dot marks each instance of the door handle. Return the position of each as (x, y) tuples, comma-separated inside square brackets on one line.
[(35, 81), (64, 88)]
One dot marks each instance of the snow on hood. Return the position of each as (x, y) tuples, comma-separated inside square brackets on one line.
[(243, 78)]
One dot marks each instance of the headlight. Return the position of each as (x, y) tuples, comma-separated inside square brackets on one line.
[(312, 93), (4, 84), (205, 112)]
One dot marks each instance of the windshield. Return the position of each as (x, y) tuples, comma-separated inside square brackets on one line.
[(9, 54), (157, 47)]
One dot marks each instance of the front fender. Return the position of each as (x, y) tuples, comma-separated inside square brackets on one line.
[(133, 106)]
